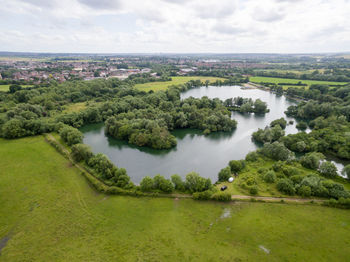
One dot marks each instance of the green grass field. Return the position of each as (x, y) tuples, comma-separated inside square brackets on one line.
[(258, 79), (5, 88), (177, 80), (50, 213)]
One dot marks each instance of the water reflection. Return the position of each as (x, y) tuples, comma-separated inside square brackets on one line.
[(194, 151)]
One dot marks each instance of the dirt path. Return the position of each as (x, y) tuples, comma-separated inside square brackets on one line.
[(275, 199)]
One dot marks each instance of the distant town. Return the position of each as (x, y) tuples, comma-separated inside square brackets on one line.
[(36, 70)]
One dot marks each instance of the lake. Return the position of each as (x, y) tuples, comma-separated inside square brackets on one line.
[(194, 151)]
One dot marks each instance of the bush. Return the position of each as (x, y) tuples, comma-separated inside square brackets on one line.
[(328, 169), (205, 195), (270, 177), (71, 135), (304, 191), (178, 183), (285, 186), (253, 190), (277, 151), (252, 157), (195, 183), (346, 171), (236, 165), (281, 122), (301, 125), (81, 152), (224, 174), (146, 184), (311, 160), (290, 171), (224, 197), (296, 179), (277, 166)]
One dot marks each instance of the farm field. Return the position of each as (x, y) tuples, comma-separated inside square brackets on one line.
[(46, 205), (177, 80), (5, 88), (258, 79)]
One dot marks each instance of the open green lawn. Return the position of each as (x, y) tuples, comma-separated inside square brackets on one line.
[(176, 80), (258, 79), (50, 213), (5, 88)]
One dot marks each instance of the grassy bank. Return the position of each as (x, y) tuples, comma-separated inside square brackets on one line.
[(177, 80), (50, 213), (276, 80)]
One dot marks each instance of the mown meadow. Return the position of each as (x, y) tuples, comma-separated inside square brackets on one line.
[(177, 80), (49, 212), (277, 80)]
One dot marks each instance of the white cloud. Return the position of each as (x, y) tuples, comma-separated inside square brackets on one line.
[(175, 25)]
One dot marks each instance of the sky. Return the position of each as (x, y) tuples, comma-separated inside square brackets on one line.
[(175, 26)]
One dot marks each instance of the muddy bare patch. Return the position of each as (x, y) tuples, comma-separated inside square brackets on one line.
[(3, 242)]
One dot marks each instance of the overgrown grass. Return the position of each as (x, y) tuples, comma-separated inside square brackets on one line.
[(52, 214), (276, 80), (177, 80), (256, 170)]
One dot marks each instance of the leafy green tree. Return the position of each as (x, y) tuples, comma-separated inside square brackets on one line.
[(195, 183), (146, 184), (281, 122), (304, 191), (346, 171), (270, 177), (312, 160), (178, 183), (285, 186), (236, 165), (277, 151), (328, 169), (224, 174), (71, 135), (81, 152), (260, 107)]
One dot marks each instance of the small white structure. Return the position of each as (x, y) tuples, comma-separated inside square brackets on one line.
[(231, 179)]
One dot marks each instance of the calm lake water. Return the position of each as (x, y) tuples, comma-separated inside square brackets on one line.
[(194, 151)]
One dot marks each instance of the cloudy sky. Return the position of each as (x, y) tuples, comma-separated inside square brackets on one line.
[(182, 26)]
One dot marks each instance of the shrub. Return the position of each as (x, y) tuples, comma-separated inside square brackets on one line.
[(296, 179), (301, 125), (224, 197), (270, 177), (277, 166), (81, 152), (253, 190), (166, 186), (71, 135), (195, 183), (346, 171), (146, 184), (290, 171), (285, 186), (236, 165), (178, 183), (205, 195), (311, 160), (328, 169), (252, 156), (262, 170), (224, 174), (304, 191), (277, 151)]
